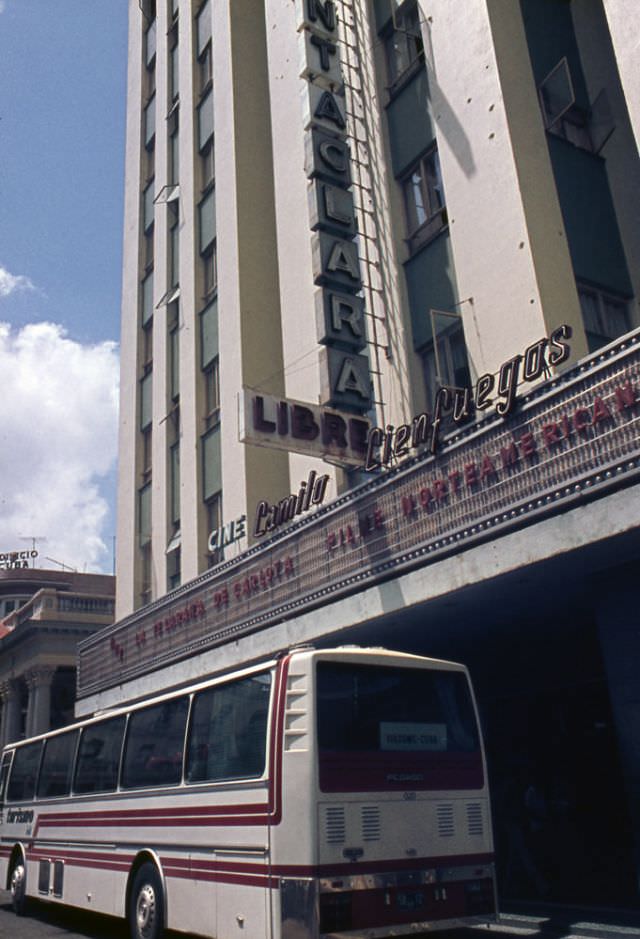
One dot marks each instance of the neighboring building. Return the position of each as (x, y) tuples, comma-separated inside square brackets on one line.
[(357, 205), (44, 615)]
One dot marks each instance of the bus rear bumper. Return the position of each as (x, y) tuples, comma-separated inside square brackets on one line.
[(395, 903)]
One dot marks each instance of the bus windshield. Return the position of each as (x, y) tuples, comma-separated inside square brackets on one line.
[(385, 728)]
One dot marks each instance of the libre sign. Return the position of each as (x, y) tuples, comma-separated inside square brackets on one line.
[(298, 427)]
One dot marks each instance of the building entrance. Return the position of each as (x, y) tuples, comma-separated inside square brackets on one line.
[(560, 819)]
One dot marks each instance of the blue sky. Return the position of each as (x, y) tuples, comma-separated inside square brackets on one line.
[(62, 106), (62, 114)]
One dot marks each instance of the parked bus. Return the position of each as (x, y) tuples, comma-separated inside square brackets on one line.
[(323, 793)]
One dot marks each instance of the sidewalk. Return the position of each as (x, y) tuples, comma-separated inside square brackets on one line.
[(554, 921)]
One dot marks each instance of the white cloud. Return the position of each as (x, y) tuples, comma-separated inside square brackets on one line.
[(58, 440), (2, 6), (9, 283)]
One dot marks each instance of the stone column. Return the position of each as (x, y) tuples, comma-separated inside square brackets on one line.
[(39, 710), (10, 729)]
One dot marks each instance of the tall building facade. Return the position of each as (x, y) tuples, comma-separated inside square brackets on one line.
[(351, 204), (443, 187), (381, 376)]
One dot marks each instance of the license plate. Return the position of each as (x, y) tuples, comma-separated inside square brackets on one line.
[(410, 901)]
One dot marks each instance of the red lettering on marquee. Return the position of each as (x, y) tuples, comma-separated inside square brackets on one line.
[(600, 412), (471, 475), (528, 444)]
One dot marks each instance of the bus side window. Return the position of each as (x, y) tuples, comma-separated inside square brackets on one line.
[(99, 756), (154, 746), (57, 766), (24, 772), (228, 731), (4, 773)]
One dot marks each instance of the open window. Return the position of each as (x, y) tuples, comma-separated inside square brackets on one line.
[(587, 128), (403, 43), (444, 359)]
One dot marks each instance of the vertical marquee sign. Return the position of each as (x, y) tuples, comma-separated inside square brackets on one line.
[(345, 372)]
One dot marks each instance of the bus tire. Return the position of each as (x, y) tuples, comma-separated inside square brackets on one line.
[(18, 886), (146, 904)]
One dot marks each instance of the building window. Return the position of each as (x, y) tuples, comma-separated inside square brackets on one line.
[(587, 127), (146, 300), (445, 362), (174, 464), (173, 214), (174, 7), (174, 157), (174, 363), (209, 363), (144, 515), (150, 123), (205, 69), (147, 249), (211, 464), (424, 200), (204, 46), (150, 44), (174, 569), (146, 403), (147, 346), (145, 564), (148, 206), (174, 67), (209, 271), (605, 316), (147, 440), (214, 522), (211, 375), (205, 120), (207, 166), (403, 45)]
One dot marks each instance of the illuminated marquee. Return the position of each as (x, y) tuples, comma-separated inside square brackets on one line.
[(571, 440)]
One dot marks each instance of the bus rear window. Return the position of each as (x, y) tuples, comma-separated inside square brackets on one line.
[(381, 727)]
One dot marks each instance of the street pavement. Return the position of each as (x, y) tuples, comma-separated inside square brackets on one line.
[(46, 921)]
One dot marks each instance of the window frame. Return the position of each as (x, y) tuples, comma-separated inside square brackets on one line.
[(425, 177), (601, 298), (403, 46), (85, 730), (220, 688)]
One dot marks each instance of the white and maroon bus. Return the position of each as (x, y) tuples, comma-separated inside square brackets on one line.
[(325, 793)]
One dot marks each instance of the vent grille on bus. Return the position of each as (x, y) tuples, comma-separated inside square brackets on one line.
[(474, 818), (335, 825), (370, 816), (446, 826)]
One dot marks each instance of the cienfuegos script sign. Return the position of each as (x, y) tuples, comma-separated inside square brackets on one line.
[(387, 445)]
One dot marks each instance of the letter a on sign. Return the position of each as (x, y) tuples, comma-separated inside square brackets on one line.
[(350, 379)]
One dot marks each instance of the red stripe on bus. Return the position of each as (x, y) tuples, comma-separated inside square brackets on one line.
[(163, 813), (269, 813), (224, 878), (146, 822)]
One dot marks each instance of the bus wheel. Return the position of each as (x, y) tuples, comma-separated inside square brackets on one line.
[(146, 907), (17, 886)]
